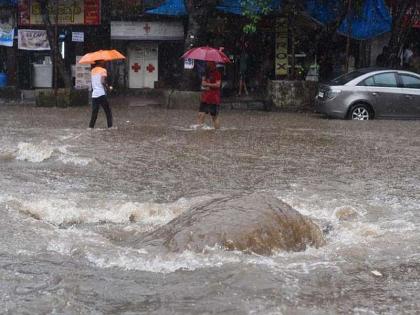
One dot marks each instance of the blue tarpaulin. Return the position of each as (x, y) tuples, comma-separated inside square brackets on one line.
[(8, 2), (324, 11), (170, 7), (373, 20)]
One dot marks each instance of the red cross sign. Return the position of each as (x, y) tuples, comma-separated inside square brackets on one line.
[(150, 68), (136, 67), (147, 28)]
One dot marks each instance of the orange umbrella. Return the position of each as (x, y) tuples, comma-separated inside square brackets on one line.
[(106, 55)]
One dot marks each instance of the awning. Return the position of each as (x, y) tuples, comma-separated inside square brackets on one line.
[(373, 20), (8, 2), (170, 7)]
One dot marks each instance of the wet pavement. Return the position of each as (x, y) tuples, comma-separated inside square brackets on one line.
[(71, 196)]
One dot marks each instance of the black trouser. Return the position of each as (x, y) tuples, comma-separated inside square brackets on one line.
[(95, 108)]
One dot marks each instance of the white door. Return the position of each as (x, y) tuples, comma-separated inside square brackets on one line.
[(143, 65)]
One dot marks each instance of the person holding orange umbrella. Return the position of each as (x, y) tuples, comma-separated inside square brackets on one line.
[(99, 85), (99, 88)]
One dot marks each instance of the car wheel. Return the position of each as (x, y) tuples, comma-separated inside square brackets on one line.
[(360, 112)]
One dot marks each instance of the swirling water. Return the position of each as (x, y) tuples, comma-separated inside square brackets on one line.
[(71, 196)]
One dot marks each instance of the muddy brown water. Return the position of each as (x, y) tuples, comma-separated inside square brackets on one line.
[(70, 196)]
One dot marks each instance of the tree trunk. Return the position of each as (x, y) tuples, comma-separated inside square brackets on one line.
[(193, 38), (325, 42), (56, 56)]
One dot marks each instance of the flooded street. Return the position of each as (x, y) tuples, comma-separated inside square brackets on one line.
[(73, 199)]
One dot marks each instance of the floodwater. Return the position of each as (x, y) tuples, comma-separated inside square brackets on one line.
[(71, 196)]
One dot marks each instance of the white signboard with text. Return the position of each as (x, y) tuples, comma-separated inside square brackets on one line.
[(150, 30), (78, 37), (82, 75), (33, 40)]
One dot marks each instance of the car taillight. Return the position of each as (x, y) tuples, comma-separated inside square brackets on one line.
[(332, 93)]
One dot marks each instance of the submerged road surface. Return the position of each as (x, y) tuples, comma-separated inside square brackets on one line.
[(73, 199)]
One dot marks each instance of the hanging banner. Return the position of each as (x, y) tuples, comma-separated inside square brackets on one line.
[(7, 27), (75, 12), (33, 40), (6, 37), (282, 59)]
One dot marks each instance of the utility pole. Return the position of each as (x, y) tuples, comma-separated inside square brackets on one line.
[(349, 16), (56, 50)]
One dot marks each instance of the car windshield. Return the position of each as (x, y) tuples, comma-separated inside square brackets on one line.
[(343, 79)]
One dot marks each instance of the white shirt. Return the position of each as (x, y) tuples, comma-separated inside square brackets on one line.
[(97, 74), (408, 53)]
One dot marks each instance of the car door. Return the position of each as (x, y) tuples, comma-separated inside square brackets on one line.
[(410, 96), (383, 92)]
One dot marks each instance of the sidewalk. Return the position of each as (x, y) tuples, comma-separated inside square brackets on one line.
[(173, 99), (165, 98)]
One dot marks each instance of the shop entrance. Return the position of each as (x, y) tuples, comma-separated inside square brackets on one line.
[(143, 65)]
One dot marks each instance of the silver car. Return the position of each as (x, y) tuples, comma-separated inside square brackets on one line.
[(366, 94)]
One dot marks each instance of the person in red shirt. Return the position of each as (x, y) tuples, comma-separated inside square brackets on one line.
[(210, 97)]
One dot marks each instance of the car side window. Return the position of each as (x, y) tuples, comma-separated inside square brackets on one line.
[(368, 82), (385, 80), (381, 80), (410, 81)]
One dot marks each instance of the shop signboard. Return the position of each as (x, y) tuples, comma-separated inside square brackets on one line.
[(33, 40), (282, 59), (7, 27), (147, 30), (75, 12)]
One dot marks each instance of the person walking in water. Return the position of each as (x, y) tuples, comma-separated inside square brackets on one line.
[(99, 86), (210, 96)]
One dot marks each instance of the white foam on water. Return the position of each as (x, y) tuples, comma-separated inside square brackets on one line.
[(70, 136), (139, 259), (70, 158), (136, 260), (34, 152), (43, 151), (73, 241), (202, 127), (195, 127), (64, 211)]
